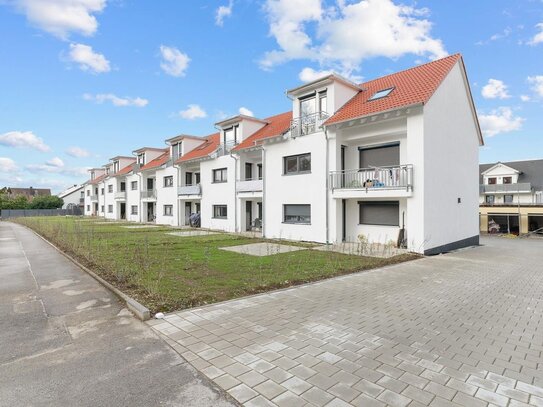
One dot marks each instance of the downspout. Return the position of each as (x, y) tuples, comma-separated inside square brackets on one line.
[(326, 186), (262, 223), (140, 184), (235, 191)]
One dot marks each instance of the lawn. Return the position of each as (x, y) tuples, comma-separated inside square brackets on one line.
[(167, 273)]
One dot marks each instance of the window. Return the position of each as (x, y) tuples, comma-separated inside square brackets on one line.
[(259, 170), (508, 199), (88, 208), (196, 178), (95, 191), (297, 213), (385, 155), (88, 192), (219, 175), (134, 185), (248, 171), (490, 199), (307, 105), (492, 181), (122, 187), (141, 159), (386, 213), (168, 181), (507, 180), (134, 210), (116, 167), (231, 135), (110, 188), (110, 209), (297, 164), (102, 208), (102, 192), (176, 151), (188, 178), (168, 210), (107, 170), (381, 94), (92, 175), (323, 102), (220, 211)]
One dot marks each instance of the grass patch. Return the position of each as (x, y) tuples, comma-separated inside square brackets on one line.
[(167, 273)]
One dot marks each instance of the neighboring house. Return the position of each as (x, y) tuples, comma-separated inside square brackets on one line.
[(73, 197), (511, 196), (350, 163), (29, 193)]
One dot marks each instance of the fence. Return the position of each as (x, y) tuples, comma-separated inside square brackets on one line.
[(18, 213)]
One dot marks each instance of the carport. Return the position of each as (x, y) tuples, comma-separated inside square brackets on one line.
[(535, 222), (503, 223)]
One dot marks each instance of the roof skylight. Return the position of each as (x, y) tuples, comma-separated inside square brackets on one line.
[(381, 94)]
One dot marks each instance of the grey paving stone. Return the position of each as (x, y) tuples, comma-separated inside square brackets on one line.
[(393, 399), (317, 396), (296, 385), (259, 401), (466, 400), (344, 392), (252, 378), (226, 381), (366, 401), (288, 399), (270, 389), (492, 397), (242, 393)]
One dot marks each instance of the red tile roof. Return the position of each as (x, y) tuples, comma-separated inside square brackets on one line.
[(412, 86), (203, 150), (98, 179), (277, 125), (157, 162), (125, 170)]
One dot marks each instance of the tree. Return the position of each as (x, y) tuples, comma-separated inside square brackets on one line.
[(18, 202), (46, 202)]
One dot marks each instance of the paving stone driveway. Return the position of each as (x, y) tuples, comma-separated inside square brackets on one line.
[(459, 329)]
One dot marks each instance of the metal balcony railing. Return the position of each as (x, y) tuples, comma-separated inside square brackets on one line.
[(394, 177), (307, 124), (225, 148), (250, 185), (120, 195), (94, 198), (189, 190), (505, 188), (148, 194)]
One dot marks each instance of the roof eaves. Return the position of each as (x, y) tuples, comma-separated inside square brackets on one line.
[(418, 104)]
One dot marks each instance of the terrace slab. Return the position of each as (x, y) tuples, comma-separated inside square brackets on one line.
[(185, 233), (263, 249)]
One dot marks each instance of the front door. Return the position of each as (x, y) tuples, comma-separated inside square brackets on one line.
[(249, 215), (123, 210), (187, 212), (197, 207), (150, 212), (343, 220)]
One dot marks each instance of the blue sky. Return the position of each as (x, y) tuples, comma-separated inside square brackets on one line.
[(84, 80)]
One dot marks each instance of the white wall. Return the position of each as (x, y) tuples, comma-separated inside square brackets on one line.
[(218, 193), (451, 157), (166, 196), (73, 197), (295, 189), (133, 197), (110, 198)]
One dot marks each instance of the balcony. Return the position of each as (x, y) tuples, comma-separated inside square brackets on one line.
[(120, 195), (94, 198), (307, 124), (225, 148), (506, 188), (190, 190), (250, 185), (394, 181), (149, 194)]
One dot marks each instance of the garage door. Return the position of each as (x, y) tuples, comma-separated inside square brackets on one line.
[(503, 223), (535, 223)]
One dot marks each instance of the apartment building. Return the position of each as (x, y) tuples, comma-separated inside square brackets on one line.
[(389, 161), (73, 197), (511, 197)]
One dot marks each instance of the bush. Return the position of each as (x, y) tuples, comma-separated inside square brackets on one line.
[(45, 202)]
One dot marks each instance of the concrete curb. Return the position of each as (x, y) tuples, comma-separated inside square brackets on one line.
[(140, 311)]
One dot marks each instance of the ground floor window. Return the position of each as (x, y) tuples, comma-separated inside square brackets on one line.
[(102, 208), (88, 208), (110, 209), (508, 199), (134, 210), (489, 199), (297, 214), (220, 211), (382, 213), (168, 210)]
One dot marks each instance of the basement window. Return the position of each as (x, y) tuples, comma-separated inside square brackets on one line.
[(381, 94)]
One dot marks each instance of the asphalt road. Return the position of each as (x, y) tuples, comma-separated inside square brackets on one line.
[(66, 340)]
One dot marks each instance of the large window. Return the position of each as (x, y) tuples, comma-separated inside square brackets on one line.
[(219, 175), (379, 213), (134, 185), (307, 105), (231, 135), (168, 210), (134, 210), (176, 151), (380, 156), (116, 167), (490, 199), (297, 164), (110, 209), (297, 213), (507, 180), (220, 211), (248, 171), (508, 199), (122, 187), (168, 181)]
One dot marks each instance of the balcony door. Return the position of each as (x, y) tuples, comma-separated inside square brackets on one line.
[(150, 184), (249, 215), (188, 207)]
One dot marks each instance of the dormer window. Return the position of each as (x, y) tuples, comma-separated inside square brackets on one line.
[(107, 170), (381, 94), (92, 175), (176, 150), (141, 159), (507, 180), (115, 167), (307, 105), (230, 135)]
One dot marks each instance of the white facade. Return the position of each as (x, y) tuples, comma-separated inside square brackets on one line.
[(73, 197)]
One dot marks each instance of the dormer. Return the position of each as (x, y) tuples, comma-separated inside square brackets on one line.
[(314, 102), (96, 172), (182, 144), (147, 154), (500, 174), (108, 168), (236, 129), (120, 162)]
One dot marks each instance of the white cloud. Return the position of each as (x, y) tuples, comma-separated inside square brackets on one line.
[(525, 98), (23, 139), (56, 166), (62, 17), (246, 112), (87, 59), (380, 27), (501, 120), (223, 12), (7, 165), (310, 75), (538, 38), (537, 84), (193, 112), (77, 152), (495, 89), (55, 162), (115, 100), (174, 62)]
